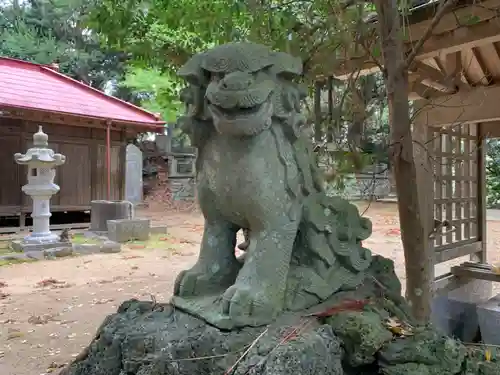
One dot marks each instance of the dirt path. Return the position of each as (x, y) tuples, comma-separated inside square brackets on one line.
[(51, 309)]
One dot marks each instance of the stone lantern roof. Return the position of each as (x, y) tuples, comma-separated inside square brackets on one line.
[(40, 154)]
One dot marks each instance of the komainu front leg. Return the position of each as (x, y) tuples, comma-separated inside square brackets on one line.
[(216, 268), (259, 291)]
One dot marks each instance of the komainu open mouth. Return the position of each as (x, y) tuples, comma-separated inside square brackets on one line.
[(238, 112)]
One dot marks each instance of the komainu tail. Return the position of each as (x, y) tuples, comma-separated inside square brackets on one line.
[(328, 254)]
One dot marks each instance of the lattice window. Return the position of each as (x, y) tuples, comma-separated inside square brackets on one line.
[(455, 151)]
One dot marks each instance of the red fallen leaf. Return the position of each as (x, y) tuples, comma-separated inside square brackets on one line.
[(132, 257), (393, 232), (137, 246), (49, 281), (349, 305)]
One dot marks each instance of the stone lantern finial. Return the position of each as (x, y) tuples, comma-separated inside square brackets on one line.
[(40, 139)]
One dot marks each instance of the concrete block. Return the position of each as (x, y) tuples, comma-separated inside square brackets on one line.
[(59, 252), (17, 256), (489, 320), (86, 248), (124, 230), (20, 245), (456, 315), (109, 247), (101, 211)]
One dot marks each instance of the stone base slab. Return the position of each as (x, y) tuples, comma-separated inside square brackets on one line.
[(124, 230), (21, 245)]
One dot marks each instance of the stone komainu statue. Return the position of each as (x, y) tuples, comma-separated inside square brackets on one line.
[(255, 170)]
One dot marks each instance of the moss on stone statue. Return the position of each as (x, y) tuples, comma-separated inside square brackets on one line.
[(363, 334), (439, 354)]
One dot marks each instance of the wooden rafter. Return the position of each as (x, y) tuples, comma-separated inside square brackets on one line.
[(449, 42), (484, 71), (432, 77), (476, 105)]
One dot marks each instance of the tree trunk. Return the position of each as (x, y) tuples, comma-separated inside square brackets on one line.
[(411, 199)]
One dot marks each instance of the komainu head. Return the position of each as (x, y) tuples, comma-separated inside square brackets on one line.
[(241, 87)]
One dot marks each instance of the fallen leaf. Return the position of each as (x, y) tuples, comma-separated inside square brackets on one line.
[(398, 328), (4, 295), (135, 247), (393, 232), (102, 301), (49, 282), (132, 257), (349, 305), (14, 334)]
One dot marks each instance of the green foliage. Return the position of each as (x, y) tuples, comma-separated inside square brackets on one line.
[(45, 32), (493, 172), (158, 92)]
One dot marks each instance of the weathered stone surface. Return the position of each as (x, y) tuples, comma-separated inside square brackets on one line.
[(307, 298), (20, 245), (489, 320), (101, 211), (257, 171), (145, 338), (59, 252), (129, 229), (435, 353), (456, 313), (86, 248), (20, 256), (110, 247), (106, 246), (35, 255), (133, 174), (365, 332)]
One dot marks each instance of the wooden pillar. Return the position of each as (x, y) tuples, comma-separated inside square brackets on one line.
[(481, 193), (425, 164)]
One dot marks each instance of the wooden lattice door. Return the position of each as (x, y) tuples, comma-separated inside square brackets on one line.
[(458, 192)]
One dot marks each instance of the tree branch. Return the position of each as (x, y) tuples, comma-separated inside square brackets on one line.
[(445, 7)]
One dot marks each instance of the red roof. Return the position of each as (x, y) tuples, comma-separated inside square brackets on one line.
[(38, 87)]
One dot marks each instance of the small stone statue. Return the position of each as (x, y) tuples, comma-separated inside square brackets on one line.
[(256, 171), (65, 235)]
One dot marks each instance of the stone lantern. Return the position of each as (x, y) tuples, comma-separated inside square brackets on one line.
[(41, 162)]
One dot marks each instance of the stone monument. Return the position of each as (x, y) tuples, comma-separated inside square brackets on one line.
[(133, 174), (41, 162), (307, 297)]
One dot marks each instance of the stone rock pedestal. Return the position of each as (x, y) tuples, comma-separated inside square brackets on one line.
[(149, 338), (102, 210)]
